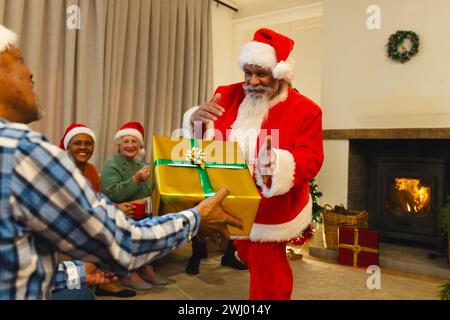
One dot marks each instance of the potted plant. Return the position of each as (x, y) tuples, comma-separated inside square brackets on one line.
[(445, 291)]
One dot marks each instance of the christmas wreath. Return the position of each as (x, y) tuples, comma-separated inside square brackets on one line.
[(397, 48)]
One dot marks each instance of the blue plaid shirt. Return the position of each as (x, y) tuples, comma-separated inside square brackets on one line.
[(46, 205), (61, 277)]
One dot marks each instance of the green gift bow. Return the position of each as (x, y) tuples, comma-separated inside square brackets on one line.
[(204, 178)]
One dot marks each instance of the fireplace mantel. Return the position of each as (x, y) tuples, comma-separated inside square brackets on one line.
[(405, 133)]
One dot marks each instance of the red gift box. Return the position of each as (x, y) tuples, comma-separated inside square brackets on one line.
[(358, 247)]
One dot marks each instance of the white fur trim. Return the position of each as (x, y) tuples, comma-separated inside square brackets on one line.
[(257, 53), (7, 38), (283, 176), (188, 128), (209, 133), (129, 132), (283, 71), (285, 231), (76, 131)]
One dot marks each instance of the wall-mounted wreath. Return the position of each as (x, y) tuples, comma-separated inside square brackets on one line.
[(402, 46)]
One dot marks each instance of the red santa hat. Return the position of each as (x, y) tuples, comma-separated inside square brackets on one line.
[(73, 130), (132, 128), (7, 38), (270, 50)]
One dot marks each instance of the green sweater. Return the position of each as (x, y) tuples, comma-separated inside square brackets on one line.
[(117, 180)]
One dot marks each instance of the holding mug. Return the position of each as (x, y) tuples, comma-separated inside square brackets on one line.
[(139, 210)]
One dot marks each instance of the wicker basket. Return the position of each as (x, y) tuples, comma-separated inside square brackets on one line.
[(333, 220)]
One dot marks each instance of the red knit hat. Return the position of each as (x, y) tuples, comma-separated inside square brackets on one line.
[(270, 50), (132, 128), (73, 130), (7, 38)]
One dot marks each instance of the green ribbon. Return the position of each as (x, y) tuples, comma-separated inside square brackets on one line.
[(203, 174)]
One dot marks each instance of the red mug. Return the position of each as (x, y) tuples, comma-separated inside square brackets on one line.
[(139, 210)]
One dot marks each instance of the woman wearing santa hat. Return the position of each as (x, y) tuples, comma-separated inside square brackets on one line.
[(125, 178), (79, 142)]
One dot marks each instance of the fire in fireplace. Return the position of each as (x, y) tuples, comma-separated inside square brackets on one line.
[(408, 196), (402, 183)]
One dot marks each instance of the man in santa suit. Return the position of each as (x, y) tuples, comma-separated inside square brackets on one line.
[(280, 132)]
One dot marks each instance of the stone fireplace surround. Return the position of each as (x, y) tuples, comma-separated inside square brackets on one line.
[(365, 145)]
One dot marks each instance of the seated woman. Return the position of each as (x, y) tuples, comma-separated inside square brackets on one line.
[(79, 142), (125, 178)]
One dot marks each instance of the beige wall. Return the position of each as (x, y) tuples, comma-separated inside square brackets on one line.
[(332, 179), (362, 88)]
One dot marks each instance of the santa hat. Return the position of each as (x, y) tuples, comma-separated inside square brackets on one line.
[(133, 128), (7, 38), (73, 130), (270, 50)]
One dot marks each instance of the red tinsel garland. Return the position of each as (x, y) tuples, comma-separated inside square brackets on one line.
[(307, 234)]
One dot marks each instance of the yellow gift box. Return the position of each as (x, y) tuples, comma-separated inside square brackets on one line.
[(186, 171)]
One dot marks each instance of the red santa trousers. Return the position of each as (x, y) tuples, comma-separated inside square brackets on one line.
[(270, 272)]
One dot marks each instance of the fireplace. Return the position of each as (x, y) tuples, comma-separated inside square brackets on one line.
[(408, 193), (408, 196), (402, 183)]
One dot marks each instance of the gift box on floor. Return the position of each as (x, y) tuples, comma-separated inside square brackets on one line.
[(357, 247), (186, 171)]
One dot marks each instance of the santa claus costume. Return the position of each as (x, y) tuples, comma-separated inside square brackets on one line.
[(295, 124)]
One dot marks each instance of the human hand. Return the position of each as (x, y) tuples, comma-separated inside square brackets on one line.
[(96, 276), (208, 111), (267, 160), (127, 208), (142, 175), (214, 219)]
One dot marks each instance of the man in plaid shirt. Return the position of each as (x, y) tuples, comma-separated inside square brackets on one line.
[(46, 204)]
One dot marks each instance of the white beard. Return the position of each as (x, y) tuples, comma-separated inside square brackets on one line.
[(246, 128)]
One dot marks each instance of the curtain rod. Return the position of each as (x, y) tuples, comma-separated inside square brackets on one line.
[(226, 5)]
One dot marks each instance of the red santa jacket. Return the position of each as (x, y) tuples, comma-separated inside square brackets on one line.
[(285, 209)]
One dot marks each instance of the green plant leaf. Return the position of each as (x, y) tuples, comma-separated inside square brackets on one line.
[(445, 291), (444, 216)]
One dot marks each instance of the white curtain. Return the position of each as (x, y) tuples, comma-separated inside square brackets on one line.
[(131, 60)]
